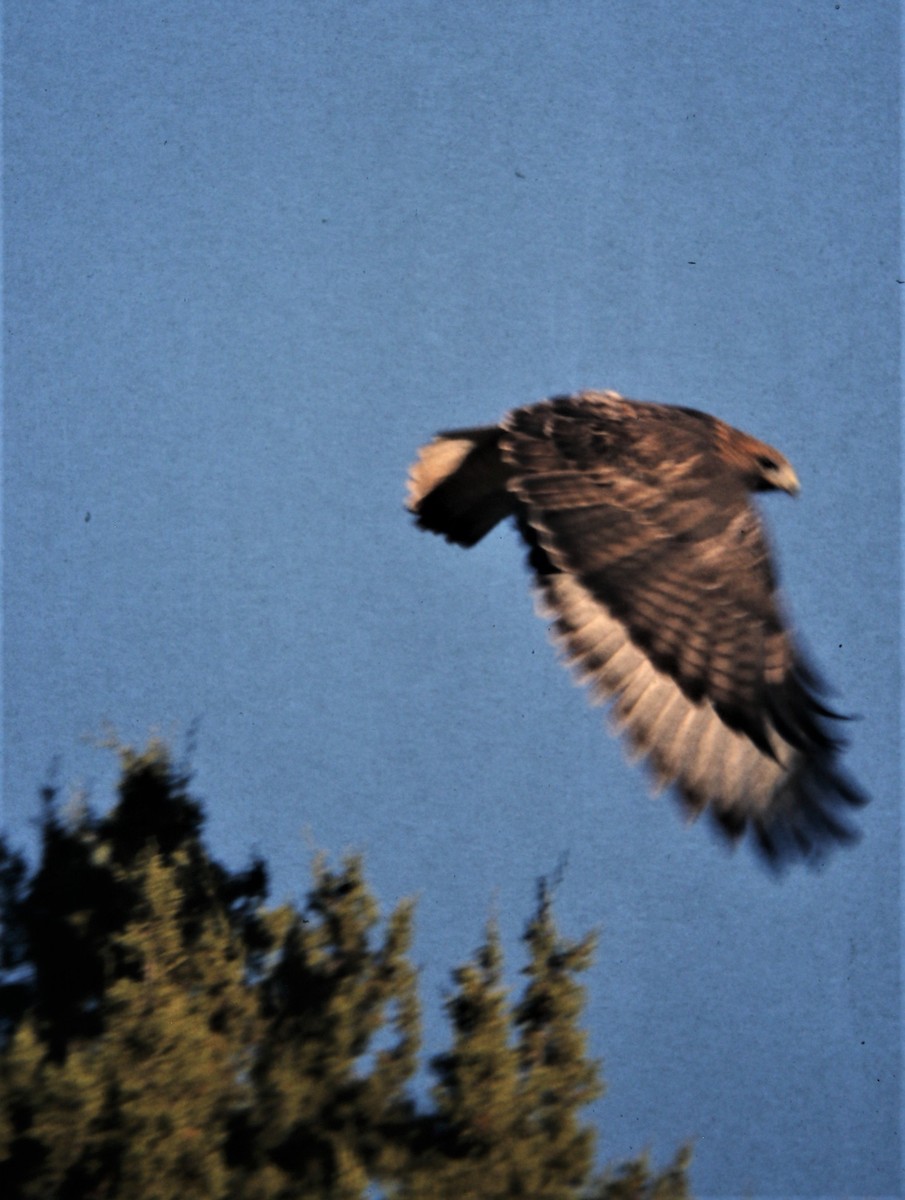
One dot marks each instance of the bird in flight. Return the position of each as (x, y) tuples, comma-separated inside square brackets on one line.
[(653, 565)]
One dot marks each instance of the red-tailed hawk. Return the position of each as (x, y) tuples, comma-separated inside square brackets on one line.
[(653, 564)]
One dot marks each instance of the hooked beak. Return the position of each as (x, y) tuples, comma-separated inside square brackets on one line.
[(788, 481)]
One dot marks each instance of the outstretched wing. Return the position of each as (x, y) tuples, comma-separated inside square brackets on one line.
[(656, 571)]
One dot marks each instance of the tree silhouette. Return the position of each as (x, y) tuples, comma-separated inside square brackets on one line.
[(164, 1033)]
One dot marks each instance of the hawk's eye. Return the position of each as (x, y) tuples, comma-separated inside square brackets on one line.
[(766, 463)]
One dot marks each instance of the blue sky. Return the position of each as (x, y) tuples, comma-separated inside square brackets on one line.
[(254, 256)]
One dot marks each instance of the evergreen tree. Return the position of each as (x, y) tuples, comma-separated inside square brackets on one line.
[(559, 1078), (164, 1033), (478, 1100), (128, 1059), (508, 1106), (634, 1181), (327, 1106)]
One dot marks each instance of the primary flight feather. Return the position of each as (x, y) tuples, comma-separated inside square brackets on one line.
[(653, 564)]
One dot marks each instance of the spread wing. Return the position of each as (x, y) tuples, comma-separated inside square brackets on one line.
[(655, 568)]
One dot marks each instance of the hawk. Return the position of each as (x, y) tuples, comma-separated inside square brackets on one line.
[(653, 565)]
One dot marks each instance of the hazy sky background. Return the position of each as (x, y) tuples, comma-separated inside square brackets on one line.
[(254, 255)]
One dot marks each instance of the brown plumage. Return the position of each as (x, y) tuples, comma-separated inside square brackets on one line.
[(654, 567)]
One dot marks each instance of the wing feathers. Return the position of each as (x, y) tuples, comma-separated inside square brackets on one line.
[(688, 743)]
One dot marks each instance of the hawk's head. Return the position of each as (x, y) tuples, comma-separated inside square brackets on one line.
[(773, 472), (763, 467)]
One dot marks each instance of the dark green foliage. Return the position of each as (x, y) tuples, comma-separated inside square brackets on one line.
[(508, 1106), (165, 1034), (633, 1181)]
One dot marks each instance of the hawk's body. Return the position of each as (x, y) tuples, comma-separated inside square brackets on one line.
[(654, 566)]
